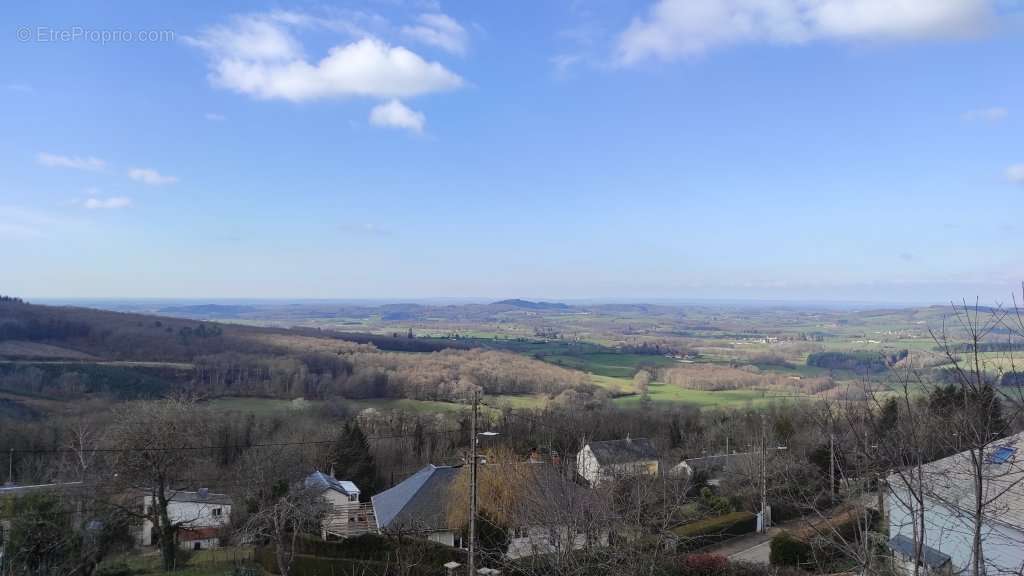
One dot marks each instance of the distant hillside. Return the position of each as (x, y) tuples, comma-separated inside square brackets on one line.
[(530, 305), (70, 353), (208, 310)]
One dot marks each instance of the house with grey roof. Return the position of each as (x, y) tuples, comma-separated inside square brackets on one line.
[(419, 505), (344, 515), (201, 517), (542, 511), (601, 461), (949, 516), (714, 468)]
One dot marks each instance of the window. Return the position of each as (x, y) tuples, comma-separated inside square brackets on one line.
[(520, 532), (457, 541), (217, 511), (353, 497), (1002, 455)]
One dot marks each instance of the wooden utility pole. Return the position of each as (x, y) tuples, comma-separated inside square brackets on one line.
[(764, 475), (472, 486)]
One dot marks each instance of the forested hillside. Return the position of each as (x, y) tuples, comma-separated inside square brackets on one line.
[(62, 352)]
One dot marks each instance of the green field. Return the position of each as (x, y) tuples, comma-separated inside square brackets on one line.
[(610, 363), (668, 394)]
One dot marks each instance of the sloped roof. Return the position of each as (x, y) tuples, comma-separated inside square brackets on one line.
[(421, 502), (418, 503), (715, 463), (931, 557), (949, 481), (624, 451), (201, 497), (320, 481)]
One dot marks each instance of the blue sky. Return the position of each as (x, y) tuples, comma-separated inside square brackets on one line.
[(776, 149)]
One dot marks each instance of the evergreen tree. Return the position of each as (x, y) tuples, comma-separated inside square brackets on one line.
[(353, 461)]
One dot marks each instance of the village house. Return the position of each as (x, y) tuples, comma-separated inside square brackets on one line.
[(711, 470), (346, 516), (201, 517), (599, 462), (948, 496), (541, 511)]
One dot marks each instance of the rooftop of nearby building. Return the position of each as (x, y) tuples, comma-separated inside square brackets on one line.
[(321, 481), (201, 496), (624, 451), (950, 480)]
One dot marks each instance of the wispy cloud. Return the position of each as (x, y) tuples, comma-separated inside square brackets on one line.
[(150, 177), (678, 28), (214, 117), (107, 203), (22, 223), (1015, 173), (993, 114), (438, 30), (19, 87), (394, 114), (364, 229), (89, 163)]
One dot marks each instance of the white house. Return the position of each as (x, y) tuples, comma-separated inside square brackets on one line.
[(201, 517), (346, 515), (543, 512), (949, 493), (598, 462)]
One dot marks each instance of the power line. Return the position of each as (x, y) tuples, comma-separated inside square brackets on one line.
[(220, 447)]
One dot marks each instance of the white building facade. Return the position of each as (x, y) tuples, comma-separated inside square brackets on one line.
[(201, 516)]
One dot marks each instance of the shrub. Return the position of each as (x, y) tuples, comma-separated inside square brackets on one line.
[(710, 530), (704, 565), (789, 551)]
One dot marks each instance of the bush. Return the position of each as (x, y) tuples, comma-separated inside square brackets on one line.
[(118, 569), (789, 551), (711, 530), (704, 565)]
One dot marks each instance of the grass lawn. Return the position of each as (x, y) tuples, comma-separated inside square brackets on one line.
[(668, 394), (608, 363), (218, 562)]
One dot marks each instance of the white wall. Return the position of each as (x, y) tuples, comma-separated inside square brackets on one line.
[(541, 540), (190, 514), (588, 467)]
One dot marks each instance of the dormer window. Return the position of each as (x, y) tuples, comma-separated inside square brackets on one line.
[(353, 497)]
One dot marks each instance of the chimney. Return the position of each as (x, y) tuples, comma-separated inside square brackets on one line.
[(204, 493)]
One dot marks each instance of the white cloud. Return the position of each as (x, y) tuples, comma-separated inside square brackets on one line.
[(1015, 173), (214, 117), (366, 229), (76, 162), (258, 56), (151, 177), (394, 114), (993, 114), (439, 30), (678, 28), (107, 203)]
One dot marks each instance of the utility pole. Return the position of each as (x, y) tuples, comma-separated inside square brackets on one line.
[(764, 475), (472, 486), (832, 466)]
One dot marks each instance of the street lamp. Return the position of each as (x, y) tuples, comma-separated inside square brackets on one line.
[(473, 481)]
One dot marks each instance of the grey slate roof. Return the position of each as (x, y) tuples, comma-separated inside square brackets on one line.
[(201, 497), (624, 451), (949, 482), (716, 463), (320, 481), (417, 504), (931, 557)]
